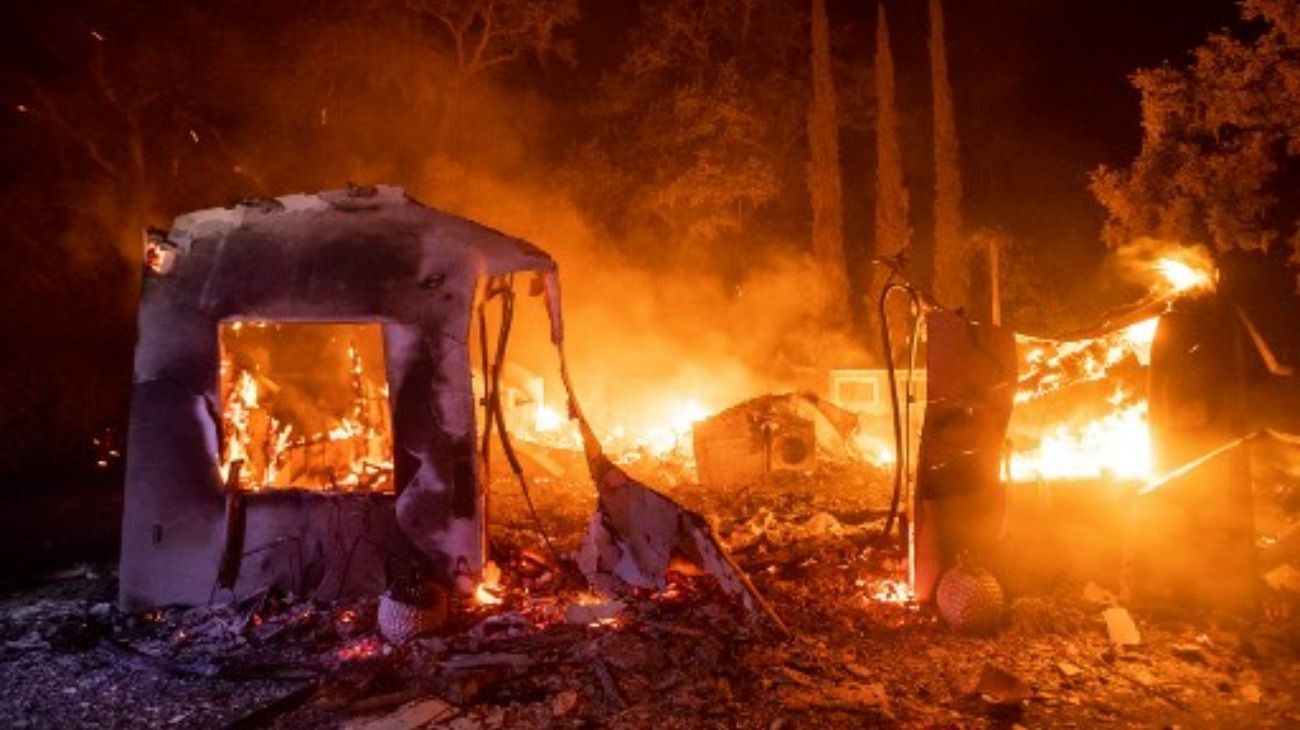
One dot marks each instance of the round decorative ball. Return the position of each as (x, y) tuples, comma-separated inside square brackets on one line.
[(399, 621), (970, 599)]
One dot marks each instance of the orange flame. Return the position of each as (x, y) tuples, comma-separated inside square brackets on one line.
[(353, 453), (487, 592), (1186, 272), (1118, 442)]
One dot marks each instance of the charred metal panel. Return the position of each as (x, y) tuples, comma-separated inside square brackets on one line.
[(971, 370), (173, 523), (367, 254), (1194, 537), (318, 544)]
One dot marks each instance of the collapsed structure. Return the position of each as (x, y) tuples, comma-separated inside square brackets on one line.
[(354, 255), (193, 528)]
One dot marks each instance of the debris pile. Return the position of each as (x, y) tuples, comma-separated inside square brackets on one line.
[(545, 651)]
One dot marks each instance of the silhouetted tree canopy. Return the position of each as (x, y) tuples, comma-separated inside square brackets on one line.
[(1220, 140)]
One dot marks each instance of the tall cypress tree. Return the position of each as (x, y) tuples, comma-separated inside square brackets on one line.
[(824, 187), (951, 255), (892, 232)]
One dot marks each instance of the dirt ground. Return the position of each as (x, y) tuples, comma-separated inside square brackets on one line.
[(551, 655)]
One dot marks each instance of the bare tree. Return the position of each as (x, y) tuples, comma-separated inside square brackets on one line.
[(126, 116), (485, 34)]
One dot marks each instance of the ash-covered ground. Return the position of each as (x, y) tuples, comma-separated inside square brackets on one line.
[(552, 655)]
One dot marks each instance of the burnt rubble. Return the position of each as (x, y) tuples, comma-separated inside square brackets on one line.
[(551, 654)]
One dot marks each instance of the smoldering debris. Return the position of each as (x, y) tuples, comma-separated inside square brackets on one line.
[(549, 653)]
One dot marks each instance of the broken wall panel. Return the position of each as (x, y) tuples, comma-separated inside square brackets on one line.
[(1195, 535)]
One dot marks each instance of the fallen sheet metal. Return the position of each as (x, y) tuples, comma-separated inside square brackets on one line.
[(636, 531)]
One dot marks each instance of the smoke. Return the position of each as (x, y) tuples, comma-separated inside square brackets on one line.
[(645, 339), (381, 101)]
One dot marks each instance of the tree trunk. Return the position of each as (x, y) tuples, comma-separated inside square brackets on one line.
[(824, 173), (951, 257), (891, 232)]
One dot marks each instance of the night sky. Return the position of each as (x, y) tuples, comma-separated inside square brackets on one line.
[(1043, 91)]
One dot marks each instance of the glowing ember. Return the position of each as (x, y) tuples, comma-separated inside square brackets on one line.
[(587, 598), (487, 592), (889, 590), (361, 649)]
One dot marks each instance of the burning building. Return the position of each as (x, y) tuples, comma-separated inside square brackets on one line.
[(1128, 445), (234, 483)]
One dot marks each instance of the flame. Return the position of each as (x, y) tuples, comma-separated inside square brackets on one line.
[(354, 452), (487, 592), (547, 419), (662, 431), (873, 449), (1052, 365), (484, 596), (1116, 443), (1183, 275), (889, 590)]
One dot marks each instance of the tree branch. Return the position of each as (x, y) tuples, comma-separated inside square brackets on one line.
[(47, 110), (485, 36)]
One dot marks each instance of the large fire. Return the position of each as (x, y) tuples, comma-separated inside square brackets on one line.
[(1187, 274), (1105, 434), (1087, 400), (661, 431), (1115, 443)]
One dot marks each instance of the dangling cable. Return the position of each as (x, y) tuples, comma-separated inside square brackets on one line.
[(492, 389)]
